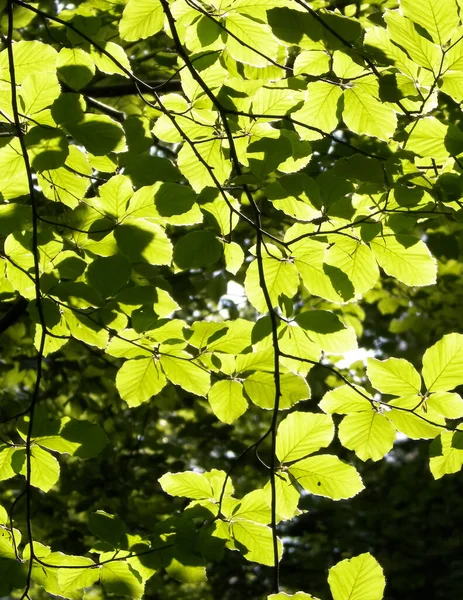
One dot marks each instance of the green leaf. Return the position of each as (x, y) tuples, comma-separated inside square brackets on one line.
[(78, 438), (70, 580), (121, 579), (6, 462), (143, 241), (394, 376), (255, 35), (39, 92), (346, 400), (312, 62), (188, 484), (320, 279), (47, 147), (227, 400), (86, 330), (364, 114), (257, 541), (402, 31), (356, 260), (326, 331), (320, 110), (98, 133), (287, 496), (141, 19), (234, 257), (446, 404), (181, 370), (44, 469), (438, 17), (108, 274), (105, 64), (327, 475), (29, 57), (280, 276), (300, 434), (260, 387), (107, 527), (443, 364), (194, 169), (139, 379), (450, 459), (255, 506), (296, 596), (417, 424), (368, 434), (197, 249), (358, 578), (75, 67), (427, 137), (406, 258)]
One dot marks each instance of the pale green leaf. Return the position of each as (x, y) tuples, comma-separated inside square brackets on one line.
[(254, 35), (327, 475), (104, 63), (208, 167), (438, 17), (114, 195), (356, 260), (86, 330), (296, 596), (141, 19), (443, 364), (452, 84), (394, 376), (138, 380), (358, 578), (402, 31), (44, 469), (309, 256), (320, 110), (287, 496), (312, 62), (29, 57), (6, 466), (188, 484), (39, 92), (281, 277), (406, 258), (234, 257), (257, 541), (414, 418), (345, 400), (427, 137), (447, 404), (227, 400), (368, 434), (365, 115), (70, 580), (260, 387), (180, 370), (255, 506), (450, 458), (301, 434)]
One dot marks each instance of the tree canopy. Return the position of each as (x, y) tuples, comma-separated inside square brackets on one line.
[(230, 291)]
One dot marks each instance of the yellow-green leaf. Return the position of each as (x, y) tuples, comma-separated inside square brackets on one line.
[(358, 578)]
